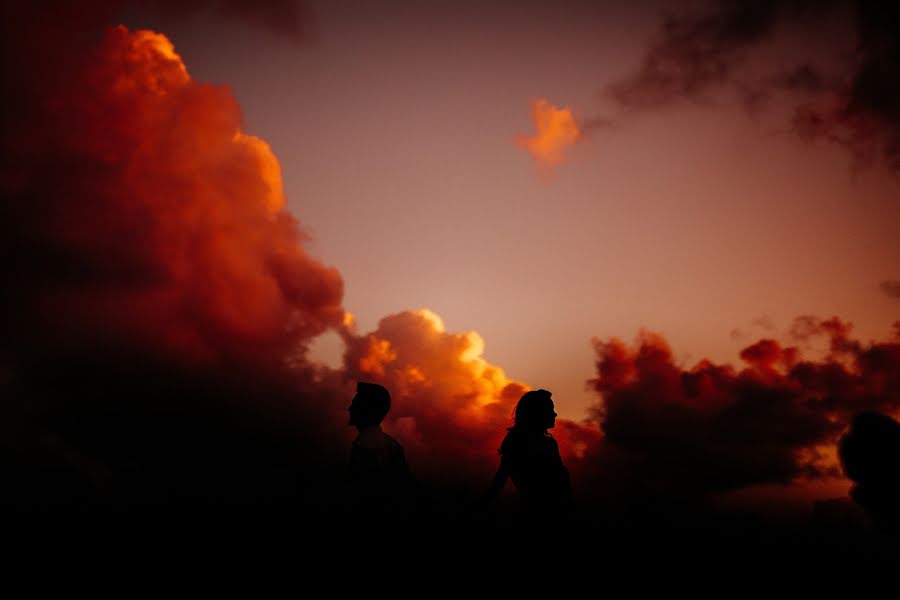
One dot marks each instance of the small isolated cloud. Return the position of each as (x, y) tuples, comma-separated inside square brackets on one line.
[(555, 130)]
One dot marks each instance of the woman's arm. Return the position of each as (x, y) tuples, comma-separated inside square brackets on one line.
[(499, 480)]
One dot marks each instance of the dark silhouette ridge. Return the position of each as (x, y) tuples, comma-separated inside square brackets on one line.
[(381, 485), (530, 457), (870, 455)]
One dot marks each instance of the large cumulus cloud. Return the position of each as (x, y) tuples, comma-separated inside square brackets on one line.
[(451, 407), (157, 297)]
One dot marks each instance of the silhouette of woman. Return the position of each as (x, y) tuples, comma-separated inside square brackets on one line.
[(530, 457)]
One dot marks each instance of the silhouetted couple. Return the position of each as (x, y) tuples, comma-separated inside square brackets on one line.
[(528, 455)]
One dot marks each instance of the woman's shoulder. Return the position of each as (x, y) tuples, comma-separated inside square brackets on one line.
[(517, 440), (511, 441)]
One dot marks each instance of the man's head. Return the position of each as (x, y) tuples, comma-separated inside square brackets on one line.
[(870, 450), (370, 405)]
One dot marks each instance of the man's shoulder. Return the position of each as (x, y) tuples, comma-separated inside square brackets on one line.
[(376, 438), (392, 442)]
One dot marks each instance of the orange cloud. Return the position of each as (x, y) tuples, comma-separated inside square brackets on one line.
[(150, 266), (451, 407), (173, 196), (556, 130)]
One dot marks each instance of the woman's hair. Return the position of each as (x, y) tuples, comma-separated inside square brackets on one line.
[(531, 408), (529, 418)]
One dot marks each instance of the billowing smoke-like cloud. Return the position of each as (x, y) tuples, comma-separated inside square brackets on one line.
[(157, 298), (713, 427), (697, 53), (694, 52), (891, 288), (555, 130), (450, 406), (153, 200)]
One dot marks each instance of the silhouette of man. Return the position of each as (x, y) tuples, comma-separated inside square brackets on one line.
[(380, 477), (870, 455), (530, 457)]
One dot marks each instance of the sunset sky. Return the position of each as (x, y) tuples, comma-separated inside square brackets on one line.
[(681, 218), (395, 124)]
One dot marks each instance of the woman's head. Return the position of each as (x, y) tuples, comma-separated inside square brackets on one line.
[(535, 411)]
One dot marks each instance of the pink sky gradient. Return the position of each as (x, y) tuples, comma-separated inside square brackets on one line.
[(395, 131)]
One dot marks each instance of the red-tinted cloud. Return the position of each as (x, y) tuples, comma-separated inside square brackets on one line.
[(146, 212), (712, 427), (157, 297)]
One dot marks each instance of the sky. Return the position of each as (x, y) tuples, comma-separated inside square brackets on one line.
[(395, 126), (681, 219)]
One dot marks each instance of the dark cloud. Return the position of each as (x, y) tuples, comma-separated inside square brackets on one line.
[(696, 54), (711, 428), (696, 51), (803, 78)]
